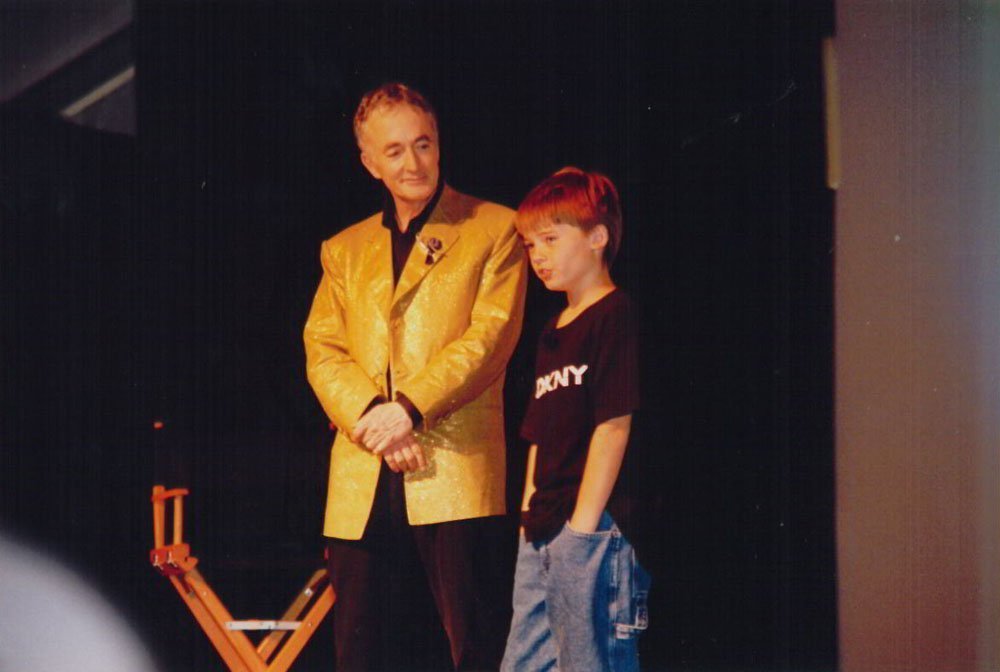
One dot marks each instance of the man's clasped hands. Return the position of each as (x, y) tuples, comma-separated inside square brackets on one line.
[(387, 430)]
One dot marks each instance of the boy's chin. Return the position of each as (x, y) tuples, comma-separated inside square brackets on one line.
[(552, 285)]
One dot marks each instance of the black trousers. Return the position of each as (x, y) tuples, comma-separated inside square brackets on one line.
[(382, 619)]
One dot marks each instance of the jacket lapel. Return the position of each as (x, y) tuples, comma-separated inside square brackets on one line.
[(380, 260), (433, 242)]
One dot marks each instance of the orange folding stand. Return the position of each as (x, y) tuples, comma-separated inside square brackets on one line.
[(275, 652)]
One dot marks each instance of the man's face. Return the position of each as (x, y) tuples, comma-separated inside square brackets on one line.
[(399, 145)]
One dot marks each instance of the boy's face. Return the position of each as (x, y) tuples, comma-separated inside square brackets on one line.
[(565, 257)]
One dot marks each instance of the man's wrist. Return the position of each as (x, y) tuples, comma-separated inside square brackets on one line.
[(376, 401), (415, 415)]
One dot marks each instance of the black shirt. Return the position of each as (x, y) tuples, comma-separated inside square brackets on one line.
[(586, 373), (402, 242)]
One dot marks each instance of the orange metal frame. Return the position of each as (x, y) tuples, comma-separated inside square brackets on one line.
[(275, 652)]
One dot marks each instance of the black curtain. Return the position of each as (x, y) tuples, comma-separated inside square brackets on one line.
[(166, 279)]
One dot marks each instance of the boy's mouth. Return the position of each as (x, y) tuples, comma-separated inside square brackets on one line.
[(544, 273)]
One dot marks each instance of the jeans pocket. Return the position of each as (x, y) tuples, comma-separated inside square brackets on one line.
[(597, 535), (632, 610), (580, 551)]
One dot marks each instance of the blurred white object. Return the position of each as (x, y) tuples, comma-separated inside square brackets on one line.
[(52, 621)]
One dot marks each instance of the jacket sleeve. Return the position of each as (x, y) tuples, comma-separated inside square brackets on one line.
[(464, 368), (341, 385)]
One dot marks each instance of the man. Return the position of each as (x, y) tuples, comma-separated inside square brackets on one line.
[(416, 315)]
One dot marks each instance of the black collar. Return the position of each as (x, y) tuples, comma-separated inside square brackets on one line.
[(417, 223)]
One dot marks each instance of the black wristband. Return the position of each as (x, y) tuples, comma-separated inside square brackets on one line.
[(415, 415), (372, 404)]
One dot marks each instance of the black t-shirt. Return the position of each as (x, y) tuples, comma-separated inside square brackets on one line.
[(586, 372)]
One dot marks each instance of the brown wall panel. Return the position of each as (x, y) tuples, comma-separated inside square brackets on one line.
[(917, 339)]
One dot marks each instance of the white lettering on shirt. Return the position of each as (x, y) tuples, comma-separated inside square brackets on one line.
[(559, 378)]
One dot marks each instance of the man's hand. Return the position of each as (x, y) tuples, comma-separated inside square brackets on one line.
[(382, 426), (404, 455)]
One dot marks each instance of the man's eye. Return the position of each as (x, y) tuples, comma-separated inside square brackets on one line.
[(550, 239)]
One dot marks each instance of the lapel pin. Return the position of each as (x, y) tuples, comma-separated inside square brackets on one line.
[(432, 246)]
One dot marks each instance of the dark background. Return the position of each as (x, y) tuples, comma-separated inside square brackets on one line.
[(167, 276)]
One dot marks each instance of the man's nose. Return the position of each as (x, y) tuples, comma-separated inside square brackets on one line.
[(410, 161)]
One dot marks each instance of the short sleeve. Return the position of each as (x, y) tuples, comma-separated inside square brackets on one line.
[(615, 379), (528, 431)]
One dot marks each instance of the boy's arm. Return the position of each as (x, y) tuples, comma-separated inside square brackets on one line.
[(604, 460), (529, 477), (529, 482)]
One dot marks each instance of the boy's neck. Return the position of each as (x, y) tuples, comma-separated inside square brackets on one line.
[(580, 298)]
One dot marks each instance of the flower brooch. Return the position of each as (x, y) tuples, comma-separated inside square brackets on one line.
[(431, 246)]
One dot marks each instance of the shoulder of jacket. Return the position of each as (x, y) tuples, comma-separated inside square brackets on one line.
[(493, 217), (496, 211), (501, 217), (356, 234)]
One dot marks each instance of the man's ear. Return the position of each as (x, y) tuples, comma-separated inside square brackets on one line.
[(370, 165), (598, 237)]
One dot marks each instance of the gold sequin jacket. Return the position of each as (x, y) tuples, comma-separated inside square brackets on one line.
[(445, 334)]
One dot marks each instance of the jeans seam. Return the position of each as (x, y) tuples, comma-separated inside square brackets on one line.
[(631, 619)]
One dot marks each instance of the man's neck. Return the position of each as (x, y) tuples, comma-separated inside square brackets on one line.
[(407, 211)]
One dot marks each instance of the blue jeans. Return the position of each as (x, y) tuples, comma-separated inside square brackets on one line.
[(579, 603)]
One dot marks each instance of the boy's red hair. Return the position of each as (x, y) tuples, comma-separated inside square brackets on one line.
[(575, 197)]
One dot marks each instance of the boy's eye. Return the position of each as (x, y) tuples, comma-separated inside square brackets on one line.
[(528, 246), (550, 239)]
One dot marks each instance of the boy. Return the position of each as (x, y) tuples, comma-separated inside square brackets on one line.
[(579, 594)]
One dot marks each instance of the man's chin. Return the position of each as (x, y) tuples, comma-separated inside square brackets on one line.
[(419, 194)]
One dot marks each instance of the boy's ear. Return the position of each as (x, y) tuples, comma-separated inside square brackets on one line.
[(598, 237)]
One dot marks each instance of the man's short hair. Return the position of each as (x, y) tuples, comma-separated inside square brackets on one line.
[(572, 196), (389, 95)]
